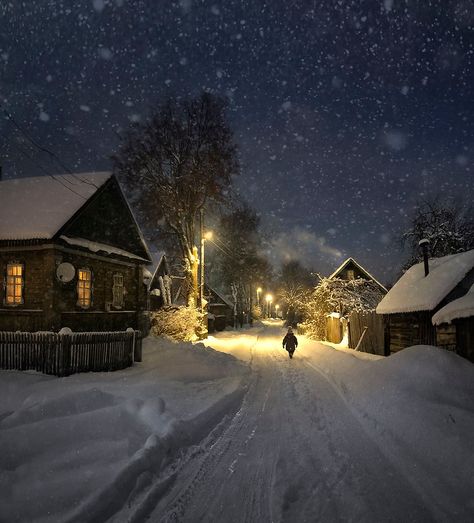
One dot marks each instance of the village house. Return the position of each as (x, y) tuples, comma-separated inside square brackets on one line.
[(337, 328), (351, 270), (159, 282), (220, 310), (71, 255), (422, 297)]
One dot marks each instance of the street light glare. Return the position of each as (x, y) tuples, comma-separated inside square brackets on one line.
[(208, 235), (269, 297), (259, 289)]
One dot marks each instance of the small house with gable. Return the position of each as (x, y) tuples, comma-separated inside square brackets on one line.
[(71, 255), (351, 270), (417, 299)]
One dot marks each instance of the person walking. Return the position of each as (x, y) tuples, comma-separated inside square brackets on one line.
[(290, 342)]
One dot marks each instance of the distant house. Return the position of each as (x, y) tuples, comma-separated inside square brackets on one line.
[(220, 310), (351, 270), (337, 328), (160, 283), (71, 255), (412, 304)]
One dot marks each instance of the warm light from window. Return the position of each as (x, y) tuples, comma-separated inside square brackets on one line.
[(14, 285), (84, 288)]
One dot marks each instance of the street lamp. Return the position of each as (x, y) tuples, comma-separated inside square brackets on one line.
[(269, 299), (259, 290), (276, 310)]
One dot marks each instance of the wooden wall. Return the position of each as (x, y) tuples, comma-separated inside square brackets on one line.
[(373, 340), (50, 304), (405, 330)]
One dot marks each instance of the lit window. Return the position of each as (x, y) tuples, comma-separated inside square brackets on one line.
[(118, 291), (14, 284), (350, 274), (84, 288)]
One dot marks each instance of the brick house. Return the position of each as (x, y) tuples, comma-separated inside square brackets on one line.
[(71, 255)]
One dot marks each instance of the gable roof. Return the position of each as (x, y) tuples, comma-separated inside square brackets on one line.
[(37, 207), (157, 258), (345, 263), (414, 292)]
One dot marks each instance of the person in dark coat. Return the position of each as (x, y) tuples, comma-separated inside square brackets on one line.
[(290, 342)]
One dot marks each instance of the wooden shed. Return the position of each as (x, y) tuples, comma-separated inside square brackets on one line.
[(410, 305), (455, 326)]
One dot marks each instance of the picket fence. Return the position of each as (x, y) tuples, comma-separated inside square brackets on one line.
[(65, 354)]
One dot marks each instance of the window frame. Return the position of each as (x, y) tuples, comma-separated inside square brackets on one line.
[(81, 302), (6, 284), (118, 287)]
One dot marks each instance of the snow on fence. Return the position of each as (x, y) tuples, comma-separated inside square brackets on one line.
[(65, 354)]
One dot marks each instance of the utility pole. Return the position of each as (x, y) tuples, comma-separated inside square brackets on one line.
[(201, 288)]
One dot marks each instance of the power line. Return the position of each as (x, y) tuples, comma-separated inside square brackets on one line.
[(27, 154), (43, 149)]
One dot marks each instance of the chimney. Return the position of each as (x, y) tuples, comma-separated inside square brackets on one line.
[(424, 246)]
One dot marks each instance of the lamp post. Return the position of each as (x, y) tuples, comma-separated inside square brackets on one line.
[(259, 291), (204, 236), (276, 309)]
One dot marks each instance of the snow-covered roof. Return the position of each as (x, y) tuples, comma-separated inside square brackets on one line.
[(461, 308), (100, 247), (38, 207), (359, 266), (415, 292)]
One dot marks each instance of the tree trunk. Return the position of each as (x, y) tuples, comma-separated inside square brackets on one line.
[(193, 288)]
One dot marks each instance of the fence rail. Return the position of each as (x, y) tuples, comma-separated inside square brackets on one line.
[(65, 354)]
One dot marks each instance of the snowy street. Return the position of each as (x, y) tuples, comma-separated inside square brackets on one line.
[(242, 433), (297, 451)]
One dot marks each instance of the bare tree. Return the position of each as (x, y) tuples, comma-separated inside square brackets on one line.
[(448, 227), (176, 163), (294, 287)]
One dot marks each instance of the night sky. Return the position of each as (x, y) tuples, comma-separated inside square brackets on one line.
[(346, 112)]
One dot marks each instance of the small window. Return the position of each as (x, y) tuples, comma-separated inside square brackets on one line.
[(14, 284), (117, 291), (84, 288), (350, 274)]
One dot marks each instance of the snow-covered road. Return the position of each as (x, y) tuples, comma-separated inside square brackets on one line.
[(232, 430), (294, 451)]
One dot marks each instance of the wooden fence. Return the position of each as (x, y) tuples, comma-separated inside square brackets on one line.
[(373, 339), (65, 354), (334, 329)]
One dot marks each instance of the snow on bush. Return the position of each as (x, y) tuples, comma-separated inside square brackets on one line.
[(336, 295), (179, 323)]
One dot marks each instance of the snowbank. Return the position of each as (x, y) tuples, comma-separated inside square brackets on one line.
[(75, 448), (416, 403)]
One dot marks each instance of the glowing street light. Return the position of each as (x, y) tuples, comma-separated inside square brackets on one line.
[(276, 309)]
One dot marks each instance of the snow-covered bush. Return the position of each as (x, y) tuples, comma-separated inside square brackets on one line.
[(341, 296), (179, 323)]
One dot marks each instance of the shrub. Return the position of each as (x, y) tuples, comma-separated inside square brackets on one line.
[(179, 323)]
